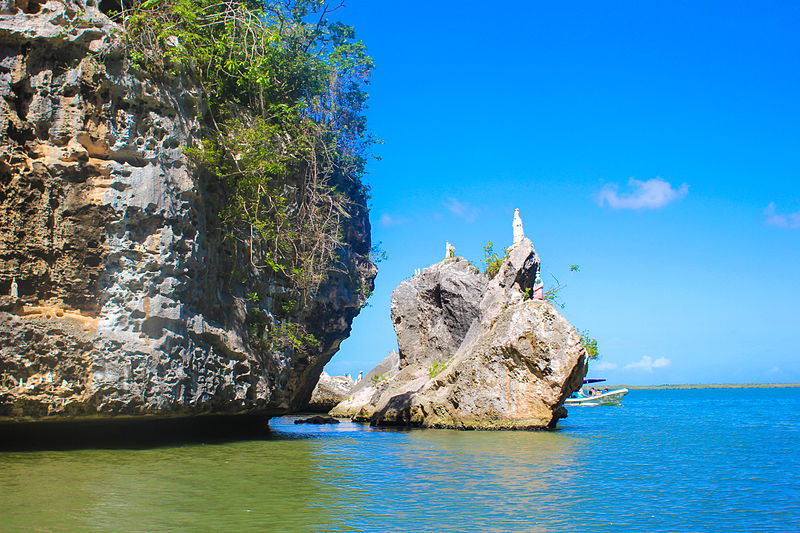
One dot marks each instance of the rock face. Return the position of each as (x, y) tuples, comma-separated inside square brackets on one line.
[(130, 301), (432, 311), (359, 402), (490, 358), (330, 390)]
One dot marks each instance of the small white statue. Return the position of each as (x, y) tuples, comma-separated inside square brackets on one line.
[(449, 251), (14, 288), (360, 375), (519, 233)]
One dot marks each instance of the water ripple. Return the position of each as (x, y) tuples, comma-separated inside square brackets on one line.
[(699, 460)]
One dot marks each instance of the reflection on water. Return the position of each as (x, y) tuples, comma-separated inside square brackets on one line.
[(667, 460), (422, 480), (214, 487), (300, 478)]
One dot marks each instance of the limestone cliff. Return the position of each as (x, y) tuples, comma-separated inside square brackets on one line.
[(130, 301), (475, 353)]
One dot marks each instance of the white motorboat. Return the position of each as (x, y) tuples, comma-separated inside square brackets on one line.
[(612, 397)]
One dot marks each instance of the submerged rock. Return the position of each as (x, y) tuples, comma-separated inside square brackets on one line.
[(475, 353), (121, 293), (316, 420)]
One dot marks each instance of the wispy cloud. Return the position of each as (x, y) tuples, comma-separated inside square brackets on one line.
[(387, 220), (603, 365), (650, 194), (647, 364), (461, 209), (791, 220)]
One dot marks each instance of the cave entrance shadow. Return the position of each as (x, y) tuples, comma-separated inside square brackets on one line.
[(132, 433)]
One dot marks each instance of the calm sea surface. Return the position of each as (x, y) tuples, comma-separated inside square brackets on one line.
[(671, 460)]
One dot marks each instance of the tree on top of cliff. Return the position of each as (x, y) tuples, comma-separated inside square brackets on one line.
[(286, 133), (284, 89)]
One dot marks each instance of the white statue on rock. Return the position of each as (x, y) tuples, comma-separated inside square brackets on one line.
[(449, 251), (519, 233), (14, 288)]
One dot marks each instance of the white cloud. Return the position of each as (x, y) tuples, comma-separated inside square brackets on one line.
[(647, 364), (650, 194), (792, 220), (603, 365), (387, 220), (461, 209)]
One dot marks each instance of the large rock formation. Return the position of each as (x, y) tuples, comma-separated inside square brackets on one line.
[(130, 301), (474, 353)]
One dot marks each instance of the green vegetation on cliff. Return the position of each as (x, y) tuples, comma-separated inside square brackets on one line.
[(286, 138), (492, 260), (589, 344)]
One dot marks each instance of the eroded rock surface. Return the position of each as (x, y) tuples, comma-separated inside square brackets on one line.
[(359, 402), (515, 362), (129, 299), (330, 390), (433, 311)]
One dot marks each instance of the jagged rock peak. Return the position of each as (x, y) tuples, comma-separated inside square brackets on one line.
[(433, 311), (475, 353)]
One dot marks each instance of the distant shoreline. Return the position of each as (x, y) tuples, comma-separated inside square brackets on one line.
[(710, 386)]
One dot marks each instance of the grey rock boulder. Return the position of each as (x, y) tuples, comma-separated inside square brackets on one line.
[(330, 390), (359, 402), (516, 362), (433, 311), (514, 376)]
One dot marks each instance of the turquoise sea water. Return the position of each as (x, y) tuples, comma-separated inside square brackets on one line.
[(666, 460)]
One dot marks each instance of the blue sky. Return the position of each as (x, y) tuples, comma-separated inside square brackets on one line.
[(656, 146)]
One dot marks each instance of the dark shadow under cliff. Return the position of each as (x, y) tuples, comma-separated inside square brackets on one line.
[(131, 433)]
